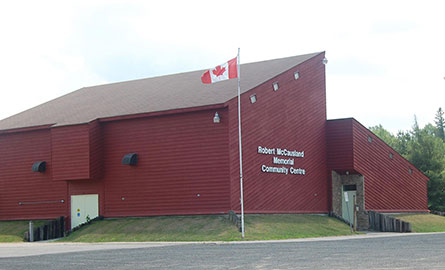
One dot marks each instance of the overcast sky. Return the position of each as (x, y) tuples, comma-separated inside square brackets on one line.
[(386, 58)]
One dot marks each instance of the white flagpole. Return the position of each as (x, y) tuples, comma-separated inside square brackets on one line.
[(240, 148)]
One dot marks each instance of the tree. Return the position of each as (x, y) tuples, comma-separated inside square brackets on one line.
[(440, 124), (398, 143), (404, 139), (425, 149), (385, 135)]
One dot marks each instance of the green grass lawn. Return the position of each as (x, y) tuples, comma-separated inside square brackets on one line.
[(208, 228), (424, 222), (270, 227), (213, 228), (13, 231)]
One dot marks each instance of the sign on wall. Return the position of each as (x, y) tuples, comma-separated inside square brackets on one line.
[(283, 161)]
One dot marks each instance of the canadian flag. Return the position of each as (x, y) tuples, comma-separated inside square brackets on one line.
[(222, 72)]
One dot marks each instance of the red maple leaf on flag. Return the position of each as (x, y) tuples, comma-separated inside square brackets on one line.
[(218, 71)]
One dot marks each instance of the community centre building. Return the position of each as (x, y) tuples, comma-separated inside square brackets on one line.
[(168, 145)]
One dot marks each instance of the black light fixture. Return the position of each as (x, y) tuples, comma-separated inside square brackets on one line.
[(39, 166), (130, 159)]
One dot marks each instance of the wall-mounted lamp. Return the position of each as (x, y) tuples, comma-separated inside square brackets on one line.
[(252, 99), (275, 86), (296, 75), (324, 61), (216, 118), (347, 172)]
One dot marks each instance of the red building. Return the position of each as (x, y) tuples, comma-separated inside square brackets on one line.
[(151, 147)]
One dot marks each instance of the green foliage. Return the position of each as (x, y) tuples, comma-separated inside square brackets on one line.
[(440, 124), (404, 139), (399, 143), (427, 152), (425, 149), (385, 135)]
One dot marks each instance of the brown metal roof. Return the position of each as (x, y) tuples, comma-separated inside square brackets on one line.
[(177, 91)]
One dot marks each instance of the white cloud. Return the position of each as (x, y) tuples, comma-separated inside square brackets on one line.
[(386, 59)]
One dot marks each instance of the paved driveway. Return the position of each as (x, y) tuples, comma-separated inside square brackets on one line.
[(375, 251)]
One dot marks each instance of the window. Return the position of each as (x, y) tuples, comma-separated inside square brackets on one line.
[(349, 187)]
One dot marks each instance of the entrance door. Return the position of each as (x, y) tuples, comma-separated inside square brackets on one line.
[(83, 208), (347, 205)]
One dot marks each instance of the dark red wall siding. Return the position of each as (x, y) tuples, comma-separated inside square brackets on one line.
[(95, 150), (77, 152), (294, 118), (388, 184), (340, 145), (70, 152), (179, 157), (40, 196)]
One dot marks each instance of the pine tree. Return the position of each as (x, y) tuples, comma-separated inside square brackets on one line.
[(440, 124)]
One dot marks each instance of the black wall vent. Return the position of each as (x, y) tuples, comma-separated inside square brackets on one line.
[(130, 159), (39, 166)]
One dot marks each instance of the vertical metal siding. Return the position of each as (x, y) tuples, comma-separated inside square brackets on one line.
[(388, 184), (41, 196), (179, 157), (294, 117)]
